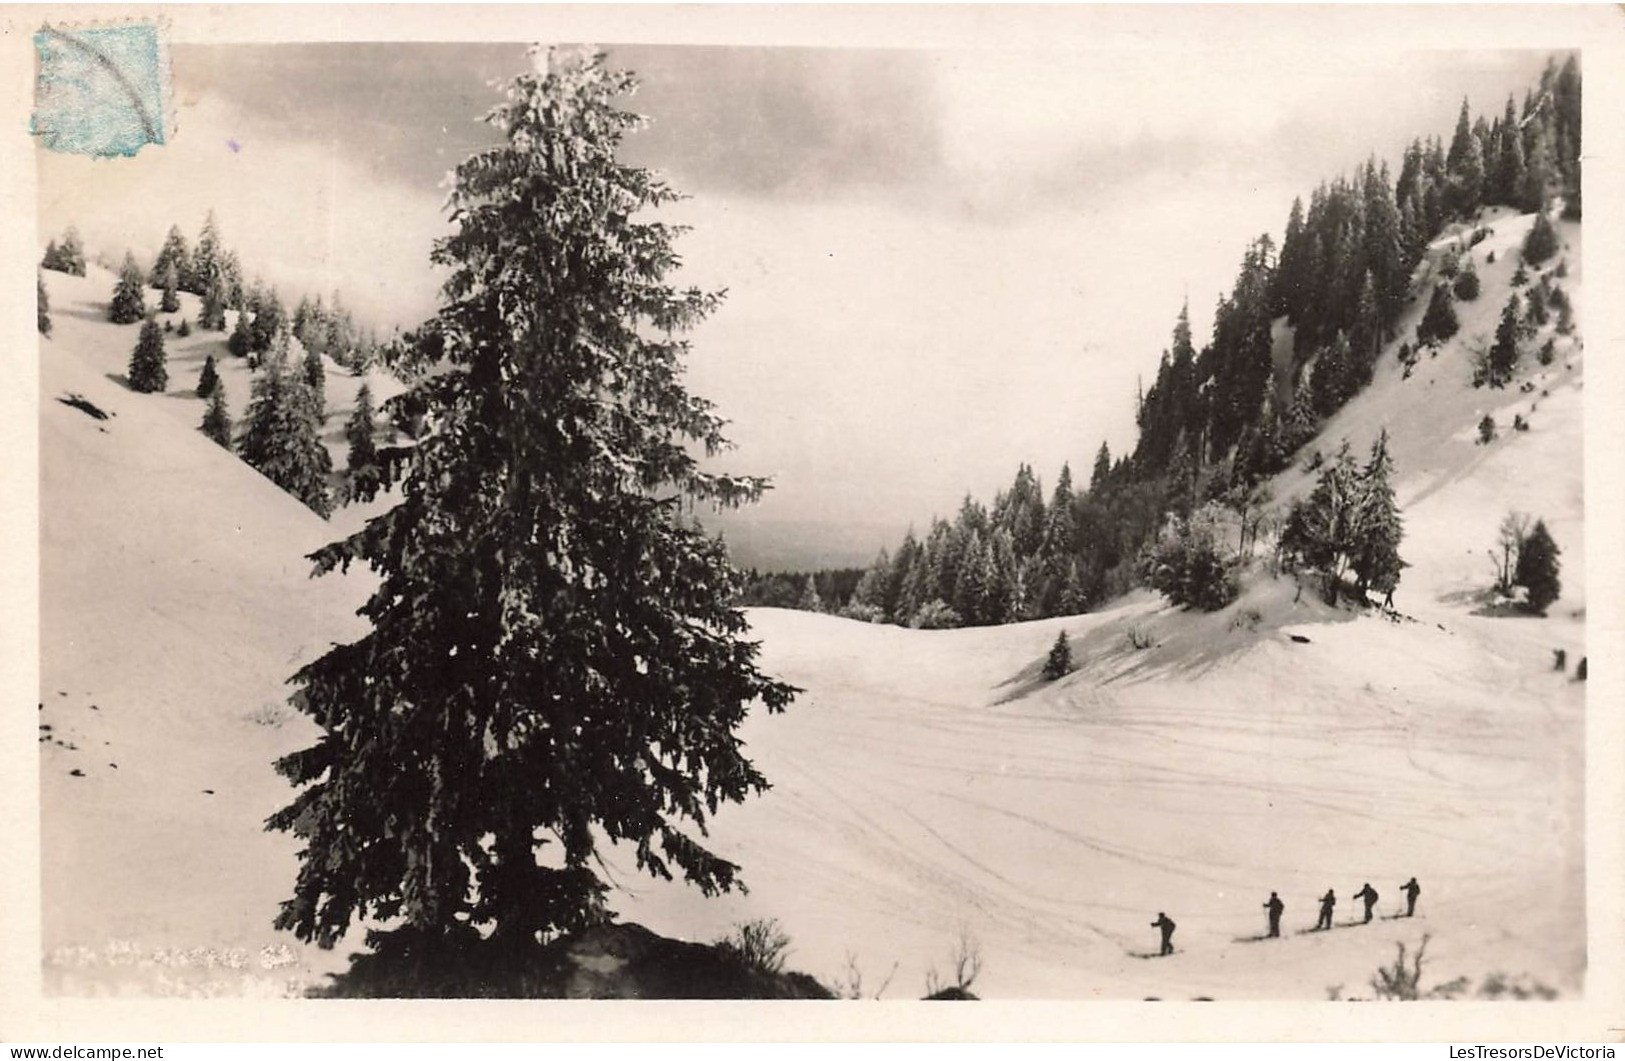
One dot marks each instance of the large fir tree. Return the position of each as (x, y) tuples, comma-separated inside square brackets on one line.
[(175, 256), (213, 314), (1502, 359), (1376, 561), (281, 436), (359, 431), (554, 660), (217, 419), (129, 299), (1439, 320), (208, 379), (1538, 568), (42, 303), (207, 259), (170, 301), (1059, 662), (315, 374), (1321, 529), (1541, 243), (241, 340), (148, 373), (268, 319)]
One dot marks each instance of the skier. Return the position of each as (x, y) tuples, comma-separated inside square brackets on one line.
[(1411, 890), (1369, 894), (1275, 906), (1167, 928), (1327, 901)]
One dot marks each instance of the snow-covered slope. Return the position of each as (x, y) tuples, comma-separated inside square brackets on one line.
[(175, 602), (928, 786), (1454, 491)]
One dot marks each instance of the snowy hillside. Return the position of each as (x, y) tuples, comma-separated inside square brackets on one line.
[(175, 603), (928, 781), (928, 786), (1453, 490)]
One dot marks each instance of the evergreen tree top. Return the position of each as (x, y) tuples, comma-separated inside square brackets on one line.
[(554, 657)]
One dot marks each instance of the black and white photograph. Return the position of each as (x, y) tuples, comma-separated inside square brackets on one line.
[(990, 504)]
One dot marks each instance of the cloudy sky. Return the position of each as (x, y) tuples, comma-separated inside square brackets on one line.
[(940, 263)]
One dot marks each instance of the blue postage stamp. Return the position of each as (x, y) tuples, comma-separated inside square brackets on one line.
[(101, 91)]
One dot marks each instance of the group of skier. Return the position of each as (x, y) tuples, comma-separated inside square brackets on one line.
[(1274, 906)]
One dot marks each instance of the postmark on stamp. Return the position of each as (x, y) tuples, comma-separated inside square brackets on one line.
[(103, 90)]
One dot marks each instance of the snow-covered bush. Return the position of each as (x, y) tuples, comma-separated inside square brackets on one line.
[(863, 613), (1187, 564), (935, 614)]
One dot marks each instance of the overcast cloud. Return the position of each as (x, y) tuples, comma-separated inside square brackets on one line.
[(939, 264)]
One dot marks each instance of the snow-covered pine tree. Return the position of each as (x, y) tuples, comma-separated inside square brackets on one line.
[(212, 317), (67, 256), (1439, 321), (1365, 338), (42, 301), (207, 259), (1072, 599), (911, 574), (1538, 568), (231, 280), (268, 319), (173, 255), (241, 339), (281, 438), (1541, 243), (1379, 530), (129, 299), (999, 601), (1321, 530), (1535, 313), (869, 597), (554, 660), (315, 377), (359, 431), (1465, 165), (170, 301), (148, 374), (1334, 377), (972, 580), (1059, 663), (1466, 286), (1188, 562), (1503, 355), (308, 320), (217, 419), (810, 601), (1103, 467), (208, 379)]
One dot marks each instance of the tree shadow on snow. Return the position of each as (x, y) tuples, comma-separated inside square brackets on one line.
[(92, 311)]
